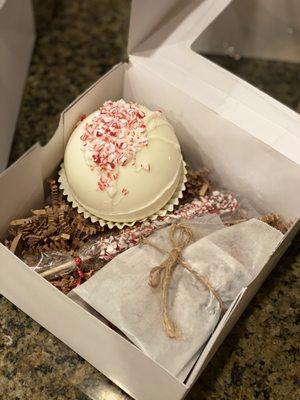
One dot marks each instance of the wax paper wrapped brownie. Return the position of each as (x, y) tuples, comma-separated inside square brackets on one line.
[(123, 162), (171, 319)]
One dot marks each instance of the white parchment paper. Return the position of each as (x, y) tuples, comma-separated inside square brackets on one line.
[(229, 258)]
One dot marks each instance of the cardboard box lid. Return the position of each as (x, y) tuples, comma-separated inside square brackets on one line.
[(147, 17), (16, 43), (161, 38)]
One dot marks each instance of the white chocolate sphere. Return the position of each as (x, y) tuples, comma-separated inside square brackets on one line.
[(141, 185)]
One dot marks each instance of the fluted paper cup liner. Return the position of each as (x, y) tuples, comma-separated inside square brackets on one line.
[(168, 207)]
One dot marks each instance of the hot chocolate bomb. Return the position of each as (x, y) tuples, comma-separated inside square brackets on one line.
[(123, 162)]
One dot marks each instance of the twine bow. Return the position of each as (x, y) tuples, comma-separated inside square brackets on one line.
[(180, 236)]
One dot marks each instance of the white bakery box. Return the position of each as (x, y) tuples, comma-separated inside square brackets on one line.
[(250, 141), (16, 43)]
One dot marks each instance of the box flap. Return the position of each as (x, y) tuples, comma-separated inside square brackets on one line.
[(140, 27), (23, 187), (159, 23), (165, 45), (225, 94), (16, 43)]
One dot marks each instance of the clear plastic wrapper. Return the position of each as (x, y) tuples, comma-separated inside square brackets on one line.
[(105, 247), (48, 262), (243, 212), (56, 264)]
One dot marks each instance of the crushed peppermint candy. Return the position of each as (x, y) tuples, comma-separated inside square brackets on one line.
[(107, 247), (112, 139), (125, 191)]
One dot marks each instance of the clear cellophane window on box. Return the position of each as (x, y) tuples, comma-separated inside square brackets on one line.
[(260, 43)]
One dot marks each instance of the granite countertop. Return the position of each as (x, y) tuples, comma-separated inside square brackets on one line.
[(77, 42)]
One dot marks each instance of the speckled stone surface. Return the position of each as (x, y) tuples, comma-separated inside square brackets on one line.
[(77, 42)]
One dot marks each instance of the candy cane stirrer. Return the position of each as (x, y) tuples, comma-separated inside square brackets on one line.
[(107, 247)]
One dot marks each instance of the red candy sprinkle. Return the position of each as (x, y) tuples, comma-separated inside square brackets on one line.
[(107, 247), (125, 191), (112, 139), (78, 261)]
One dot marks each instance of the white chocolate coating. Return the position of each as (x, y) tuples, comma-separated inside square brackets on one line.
[(148, 190)]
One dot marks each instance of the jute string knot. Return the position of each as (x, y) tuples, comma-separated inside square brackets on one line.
[(180, 236)]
